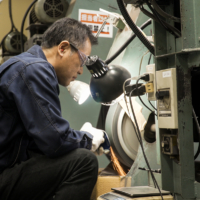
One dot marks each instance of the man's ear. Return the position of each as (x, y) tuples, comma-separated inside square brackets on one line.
[(63, 47)]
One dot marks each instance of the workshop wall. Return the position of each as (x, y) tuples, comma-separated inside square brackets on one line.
[(19, 8)]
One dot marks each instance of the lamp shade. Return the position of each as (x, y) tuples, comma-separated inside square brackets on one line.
[(110, 86), (106, 83), (79, 91)]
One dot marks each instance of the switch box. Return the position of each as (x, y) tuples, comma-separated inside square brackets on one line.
[(169, 144), (167, 98), (151, 69)]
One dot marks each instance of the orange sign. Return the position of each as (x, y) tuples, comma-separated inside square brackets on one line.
[(94, 20)]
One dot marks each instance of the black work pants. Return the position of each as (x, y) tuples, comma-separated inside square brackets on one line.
[(68, 177)]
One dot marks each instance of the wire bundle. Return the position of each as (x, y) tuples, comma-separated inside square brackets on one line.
[(158, 14), (138, 134)]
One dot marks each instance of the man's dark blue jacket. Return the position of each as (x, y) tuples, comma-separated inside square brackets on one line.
[(30, 113)]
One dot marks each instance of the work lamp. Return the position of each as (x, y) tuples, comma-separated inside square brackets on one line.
[(106, 83)]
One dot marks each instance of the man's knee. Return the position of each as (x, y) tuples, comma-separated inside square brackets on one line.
[(87, 157)]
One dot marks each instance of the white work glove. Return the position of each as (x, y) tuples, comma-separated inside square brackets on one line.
[(98, 137)]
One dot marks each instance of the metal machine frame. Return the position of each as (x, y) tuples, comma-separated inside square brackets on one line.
[(178, 173)]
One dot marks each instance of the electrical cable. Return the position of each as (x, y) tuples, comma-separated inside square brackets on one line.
[(163, 13), (148, 100), (146, 12), (138, 134), (160, 20), (142, 147), (142, 100), (22, 24), (152, 105), (141, 61), (198, 128), (134, 28), (143, 26), (149, 59), (146, 106)]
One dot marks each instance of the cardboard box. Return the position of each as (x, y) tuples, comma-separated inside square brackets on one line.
[(105, 183)]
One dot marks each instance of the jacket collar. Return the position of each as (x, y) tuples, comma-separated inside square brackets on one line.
[(37, 51)]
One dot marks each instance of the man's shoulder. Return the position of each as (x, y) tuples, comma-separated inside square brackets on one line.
[(27, 66), (27, 59)]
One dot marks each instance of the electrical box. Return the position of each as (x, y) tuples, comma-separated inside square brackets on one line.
[(167, 98), (169, 144), (151, 69)]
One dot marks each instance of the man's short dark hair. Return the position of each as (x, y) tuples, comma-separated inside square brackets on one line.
[(67, 29)]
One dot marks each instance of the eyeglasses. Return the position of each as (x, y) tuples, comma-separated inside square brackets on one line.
[(82, 56)]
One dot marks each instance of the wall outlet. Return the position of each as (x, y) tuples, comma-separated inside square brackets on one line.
[(151, 69)]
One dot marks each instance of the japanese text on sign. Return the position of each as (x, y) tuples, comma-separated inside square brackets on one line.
[(94, 20)]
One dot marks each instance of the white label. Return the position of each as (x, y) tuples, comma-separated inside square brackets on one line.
[(94, 19), (149, 68), (166, 74)]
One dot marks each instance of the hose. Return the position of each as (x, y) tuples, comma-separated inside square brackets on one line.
[(162, 13), (22, 25), (134, 28), (143, 26), (10, 15), (162, 22), (154, 18)]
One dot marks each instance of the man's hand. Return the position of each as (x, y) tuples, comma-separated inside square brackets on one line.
[(98, 135)]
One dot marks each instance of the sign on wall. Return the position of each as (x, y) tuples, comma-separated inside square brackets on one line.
[(94, 19)]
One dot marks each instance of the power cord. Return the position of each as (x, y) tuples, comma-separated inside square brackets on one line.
[(152, 105), (140, 97), (136, 128), (142, 147)]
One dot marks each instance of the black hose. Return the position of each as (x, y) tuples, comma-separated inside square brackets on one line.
[(198, 128), (10, 14), (160, 20), (154, 18), (134, 28), (22, 25), (163, 13), (109, 60)]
